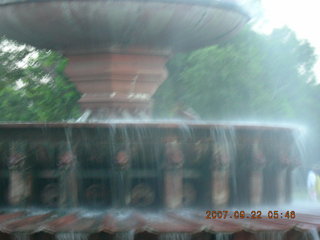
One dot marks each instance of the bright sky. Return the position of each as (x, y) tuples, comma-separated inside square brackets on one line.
[(301, 16)]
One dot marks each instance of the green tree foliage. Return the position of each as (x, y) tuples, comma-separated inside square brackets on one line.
[(251, 77), (33, 86)]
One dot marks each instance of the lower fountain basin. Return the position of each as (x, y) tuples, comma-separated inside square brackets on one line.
[(148, 165)]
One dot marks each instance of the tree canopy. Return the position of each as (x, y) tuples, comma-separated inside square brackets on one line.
[(251, 77), (33, 86)]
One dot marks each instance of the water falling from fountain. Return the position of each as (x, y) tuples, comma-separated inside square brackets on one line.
[(223, 236), (21, 236), (129, 235), (175, 236), (71, 236), (269, 235)]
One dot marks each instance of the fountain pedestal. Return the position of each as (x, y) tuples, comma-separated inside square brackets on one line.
[(117, 85)]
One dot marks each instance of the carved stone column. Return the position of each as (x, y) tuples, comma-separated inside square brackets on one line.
[(288, 159), (68, 177), (220, 174), (281, 185), (121, 179), (173, 176), (20, 186), (256, 176)]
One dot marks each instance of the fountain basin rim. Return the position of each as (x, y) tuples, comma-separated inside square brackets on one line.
[(82, 33), (147, 124), (233, 6)]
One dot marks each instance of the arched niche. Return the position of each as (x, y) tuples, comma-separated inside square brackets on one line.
[(5, 236), (100, 236), (146, 236), (243, 235), (41, 236)]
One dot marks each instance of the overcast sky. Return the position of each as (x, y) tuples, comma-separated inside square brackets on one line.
[(301, 16)]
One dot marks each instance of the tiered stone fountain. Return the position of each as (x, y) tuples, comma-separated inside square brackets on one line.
[(117, 50)]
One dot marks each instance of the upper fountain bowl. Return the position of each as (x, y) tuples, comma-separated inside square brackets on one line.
[(78, 25)]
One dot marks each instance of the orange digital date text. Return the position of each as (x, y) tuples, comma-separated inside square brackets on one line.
[(225, 214)]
